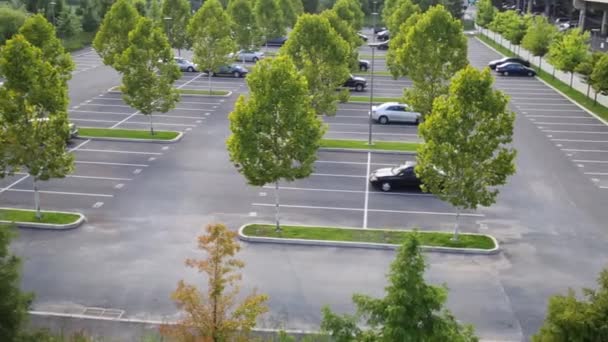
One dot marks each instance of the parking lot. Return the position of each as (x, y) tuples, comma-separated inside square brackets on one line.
[(85, 60)]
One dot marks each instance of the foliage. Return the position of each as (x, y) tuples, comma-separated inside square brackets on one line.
[(154, 11), (14, 303), (454, 7), (538, 36), (348, 34), (350, 11), (10, 21), (569, 50), (485, 13), (571, 319), (411, 310), (599, 76), (434, 50), (245, 29), (500, 22), (112, 39), (68, 24), (149, 71), (310, 6), (322, 57), (586, 67), (269, 18), (395, 66), (90, 15), (465, 155), (515, 27), (177, 27), (399, 16), (344, 95), (288, 11), (215, 315)]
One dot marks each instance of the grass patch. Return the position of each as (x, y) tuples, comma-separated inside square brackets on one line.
[(572, 93), (202, 92), (86, 132), (19, 215), (395, 237), (78, 41), (377, 145), (376, 99)]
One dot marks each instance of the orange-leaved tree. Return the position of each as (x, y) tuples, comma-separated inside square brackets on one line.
[(216, 315)]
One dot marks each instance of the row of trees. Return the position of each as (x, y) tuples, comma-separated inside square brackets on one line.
[(567, 51)]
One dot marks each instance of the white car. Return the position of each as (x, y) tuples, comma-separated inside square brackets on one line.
[(394, 112), (185, 65), (247, 55)]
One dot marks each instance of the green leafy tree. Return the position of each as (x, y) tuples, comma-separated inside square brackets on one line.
[(14, 303), (155, 12), (568, 51), (466, 154), (599, 77), (401, 13), (33, 109), (388, 8), (245, 29), (454, 7), (350, 11), (435, 49), (147, 83), (112, 39), (68, 24), (10, 21), (499, 24), (90, 15), (215, 315), (289, 12), (269, 18), (485, 13), (585, 69), (348, 34), (515, 27), (212, 42), (310, 6), (275, 132), (395, 65), (322, 57), (177, 27), (411, 310), (538, 37), (577, 320)]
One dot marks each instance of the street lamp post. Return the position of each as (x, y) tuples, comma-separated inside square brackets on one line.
[(374, 14), (371, 93), (52, 4), (168, 29)]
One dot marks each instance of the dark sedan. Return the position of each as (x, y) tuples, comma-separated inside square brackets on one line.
[(401, 176), (383, 35), (494, 64), (364, 64), (362, 36), (515, 69), (233, 70), (279, 41), (383, 45)]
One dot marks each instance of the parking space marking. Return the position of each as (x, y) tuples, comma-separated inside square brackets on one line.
[(88, 177), (151, 159), (108, 163), (376, 133), (577, 140), (336, 175), (119, 186), (576, 150), (118, 151), (97, 205), (567, 124), (440, 213), (369, 159), (405, 194), (13, 184), (597, 173), (544, 104), (137, 171), (590, 161), (350, 163), (62, 193), (577, 132), (549, 110), (118, 113)]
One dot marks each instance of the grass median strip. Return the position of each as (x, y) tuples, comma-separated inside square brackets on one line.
[(89, 132), (202, 92), (395, 237), (575, 95), (51, 217), (377, 145), (377, 99)]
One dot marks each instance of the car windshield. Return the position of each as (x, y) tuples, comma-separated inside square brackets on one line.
[(398, 169)]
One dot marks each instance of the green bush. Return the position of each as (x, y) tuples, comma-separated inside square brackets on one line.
[(344, 96)]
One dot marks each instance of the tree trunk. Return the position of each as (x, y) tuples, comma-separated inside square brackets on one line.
[(571, 77), (595, 99), (37, 199), (540, 63), (276, 203), (457, 225), (209, 78), (151, 124), (588, 87), (553, 74), (179, 52)]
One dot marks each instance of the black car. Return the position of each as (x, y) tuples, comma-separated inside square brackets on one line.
[(362, 36), (233, 70), (383, 35), (383, 45), (515, 69), (401, 176), (494, 64), (379, 29), (357, 83), (279, 41), (364, 65)]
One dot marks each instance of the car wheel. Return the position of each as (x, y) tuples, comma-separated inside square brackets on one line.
[(236, 74), (386, 186), (359, 87), (505, 73), (213, 74), (190, 69), (417, 121), (530, 73), (255, 59), (383, 120), (363, 68)]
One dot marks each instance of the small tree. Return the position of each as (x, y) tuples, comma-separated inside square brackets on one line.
[(485, 13), (176, 14), (149, 71), (10, 22), (112, 39), (348, 34), (538, 38), (69, 24), (269, 19), (499, 24), (568, 51), (599, 77), (215, 316), (275, 132), (454, 7), (411, 310), (465, 154), (310, 6), (13, 302), (245, 29), (212, 42), (586, 67), (90, 15), (515, 27), (435, 49), (571, 319), (402, 12), (322, 57), (154, 11), (350, 11), (289, 12)]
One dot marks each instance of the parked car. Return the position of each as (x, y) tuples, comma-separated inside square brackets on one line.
[(383, 45), (362, 36), (494, 64), (400, 176), (383, 35), (356, 83), (567, 26), (515, 69), (395, 112), (279, 41), (247, 55), (364, 64), (233, 70), (562, 20), (379, 29), (185, 65)]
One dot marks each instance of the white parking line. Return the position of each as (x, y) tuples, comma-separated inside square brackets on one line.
[(353, 110), (88, 177), (117, 151), (549, 110), (62, 193), (13, 184), (575, 150), (370, 210), (369, 159), (350, 163), (590, 161), (567, 124), (577, 132), (120, 99), (577, 140), (108, 163), (597, 173), (375, 133), (543, 104), (561, 116), (336, 175), (118, 113), (405, 194), (367, 125)]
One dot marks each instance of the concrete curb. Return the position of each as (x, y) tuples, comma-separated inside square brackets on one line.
[(51, 226), (368, 245), (335, 149), (179, 137), (113, 90)]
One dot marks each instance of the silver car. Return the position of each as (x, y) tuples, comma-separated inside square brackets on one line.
[(248, 55), (185, 65), (395, 112)]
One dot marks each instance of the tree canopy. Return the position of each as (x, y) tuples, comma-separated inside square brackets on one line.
[(350, 11), (176, 28), (538, 36), (112, 39), (244, 25), (269, 18), (569, 50), (485, 13), (10, 21)]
